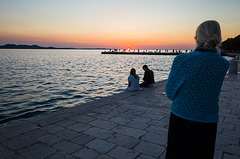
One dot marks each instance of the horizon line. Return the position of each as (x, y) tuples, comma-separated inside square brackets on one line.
[(53, 47)]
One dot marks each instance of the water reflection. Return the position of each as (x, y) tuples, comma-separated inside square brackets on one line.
[(38, 81)]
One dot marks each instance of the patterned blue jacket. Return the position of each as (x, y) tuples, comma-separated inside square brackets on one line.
[(194, 85)]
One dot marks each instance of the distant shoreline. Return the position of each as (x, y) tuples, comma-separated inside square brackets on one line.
[(14, 46)]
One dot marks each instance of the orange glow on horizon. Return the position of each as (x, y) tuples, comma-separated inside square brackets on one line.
[(180, 40), (98, 24), (78, 41)]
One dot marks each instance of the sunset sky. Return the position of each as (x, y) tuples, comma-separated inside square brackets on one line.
[(138, 24)]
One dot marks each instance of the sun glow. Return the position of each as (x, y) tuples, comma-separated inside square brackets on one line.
[(128, 47)]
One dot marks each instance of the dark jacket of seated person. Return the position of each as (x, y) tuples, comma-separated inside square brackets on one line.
[(148, 77)]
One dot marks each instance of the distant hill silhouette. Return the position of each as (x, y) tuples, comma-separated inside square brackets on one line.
[(14, 46), (231, 43)]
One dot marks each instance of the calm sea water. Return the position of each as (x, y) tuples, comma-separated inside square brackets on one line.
[(35, 82)]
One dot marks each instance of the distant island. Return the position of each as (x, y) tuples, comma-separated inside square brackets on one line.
[(14, 46)]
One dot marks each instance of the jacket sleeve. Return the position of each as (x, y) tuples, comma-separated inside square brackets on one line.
[(145, 77), (176, 78)]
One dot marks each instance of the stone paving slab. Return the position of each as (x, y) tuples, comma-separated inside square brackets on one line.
[(128, 125)]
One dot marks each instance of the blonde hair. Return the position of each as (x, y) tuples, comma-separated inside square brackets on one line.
[(208, 34)]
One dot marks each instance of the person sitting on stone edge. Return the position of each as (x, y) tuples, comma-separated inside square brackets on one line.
[(148, 79)]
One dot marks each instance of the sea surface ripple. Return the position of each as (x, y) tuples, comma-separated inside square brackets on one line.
[(35, 82)]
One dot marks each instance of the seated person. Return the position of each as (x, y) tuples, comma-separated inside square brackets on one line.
[(148, 77), (133, 81)]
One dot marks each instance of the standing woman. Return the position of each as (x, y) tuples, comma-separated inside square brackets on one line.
[(194, 85), (133, 81)]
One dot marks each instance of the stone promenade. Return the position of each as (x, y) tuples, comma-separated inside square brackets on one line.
[(123, 126)]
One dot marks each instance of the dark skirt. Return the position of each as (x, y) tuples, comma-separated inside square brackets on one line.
[(190, 140)]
